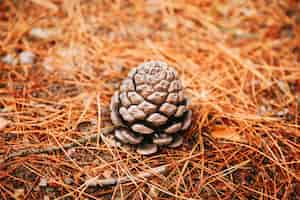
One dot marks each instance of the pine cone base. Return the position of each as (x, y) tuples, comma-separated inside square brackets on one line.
[(150, 108)]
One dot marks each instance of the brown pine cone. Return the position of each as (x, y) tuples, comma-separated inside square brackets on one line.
[(150, 109)]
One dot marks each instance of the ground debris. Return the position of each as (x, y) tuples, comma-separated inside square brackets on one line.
[(239, 64)]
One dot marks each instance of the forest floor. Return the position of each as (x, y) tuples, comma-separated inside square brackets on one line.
[(61, 61)]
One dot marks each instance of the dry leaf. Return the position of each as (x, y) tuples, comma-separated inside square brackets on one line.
[(228, 133)]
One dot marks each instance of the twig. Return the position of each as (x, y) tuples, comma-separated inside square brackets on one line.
[(82, 140), (113, 181)]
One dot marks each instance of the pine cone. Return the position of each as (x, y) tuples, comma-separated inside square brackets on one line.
[(150, 109)]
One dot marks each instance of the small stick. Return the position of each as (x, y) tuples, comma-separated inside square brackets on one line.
[(82, 140), (124, 179)]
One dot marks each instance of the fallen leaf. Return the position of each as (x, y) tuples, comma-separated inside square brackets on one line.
[(228, 133)]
